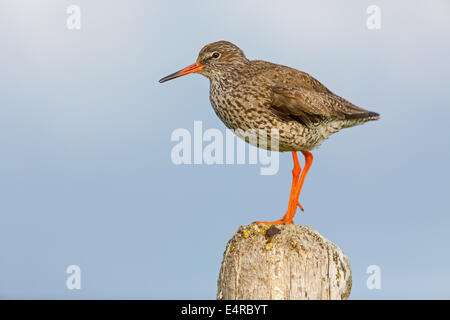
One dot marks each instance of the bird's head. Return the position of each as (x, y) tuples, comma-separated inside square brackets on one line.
[(214, 60)]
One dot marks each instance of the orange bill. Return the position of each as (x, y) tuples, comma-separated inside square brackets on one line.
[(191, 69)]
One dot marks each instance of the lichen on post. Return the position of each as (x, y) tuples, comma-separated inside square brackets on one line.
[(283, 262)]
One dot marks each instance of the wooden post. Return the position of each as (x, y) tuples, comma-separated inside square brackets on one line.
[(290, 262)]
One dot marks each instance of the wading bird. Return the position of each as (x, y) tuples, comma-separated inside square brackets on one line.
[(254, 94)]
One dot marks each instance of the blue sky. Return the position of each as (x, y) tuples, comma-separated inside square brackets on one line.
[(86, 174)]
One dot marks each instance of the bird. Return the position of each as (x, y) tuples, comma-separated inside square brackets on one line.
[(255, 94)]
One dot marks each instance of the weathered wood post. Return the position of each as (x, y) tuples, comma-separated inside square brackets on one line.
[(278, 262)]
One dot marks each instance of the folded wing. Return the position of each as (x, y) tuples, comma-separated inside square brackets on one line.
[(312, 107)]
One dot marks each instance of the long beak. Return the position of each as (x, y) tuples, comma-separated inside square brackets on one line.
[(191, 69)]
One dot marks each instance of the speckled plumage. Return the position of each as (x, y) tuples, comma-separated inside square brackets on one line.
[(254, 94)]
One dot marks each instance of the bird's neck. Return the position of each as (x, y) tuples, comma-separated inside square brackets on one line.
[(221, 80), (226, 77)]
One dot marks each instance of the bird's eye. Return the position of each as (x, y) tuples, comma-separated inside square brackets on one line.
[(216, 55)]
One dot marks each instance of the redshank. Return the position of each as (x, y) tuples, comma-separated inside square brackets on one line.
[(254, 94)]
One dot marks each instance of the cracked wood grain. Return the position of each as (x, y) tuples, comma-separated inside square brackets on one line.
[(292, 262)]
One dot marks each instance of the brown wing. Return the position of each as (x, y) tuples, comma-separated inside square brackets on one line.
[(310, 107), (284, 75)]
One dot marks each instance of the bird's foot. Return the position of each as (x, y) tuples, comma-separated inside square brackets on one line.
[(284, 220), (287, 218), (280, 221)]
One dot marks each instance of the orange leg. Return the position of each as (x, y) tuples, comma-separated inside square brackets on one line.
[(295, 179), (298, 187)]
